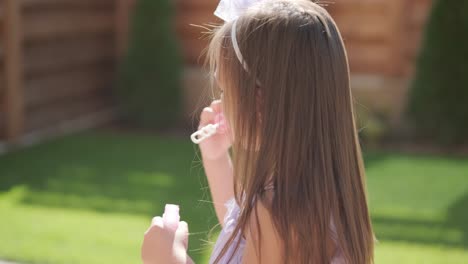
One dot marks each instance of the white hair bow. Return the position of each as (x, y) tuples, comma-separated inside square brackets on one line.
[(230, 10)]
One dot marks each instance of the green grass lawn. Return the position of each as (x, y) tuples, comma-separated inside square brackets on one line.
[(88, 198)]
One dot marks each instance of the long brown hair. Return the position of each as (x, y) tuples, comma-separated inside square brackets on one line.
[(293, 127)]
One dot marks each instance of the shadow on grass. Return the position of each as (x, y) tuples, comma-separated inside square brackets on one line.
[(118, 173), (420, 232), (457, 217), (412, 175)]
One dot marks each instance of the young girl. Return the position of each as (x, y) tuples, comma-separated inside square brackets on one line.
[(296, 171)]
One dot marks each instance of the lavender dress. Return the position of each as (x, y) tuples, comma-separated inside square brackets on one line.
[(230, 221)]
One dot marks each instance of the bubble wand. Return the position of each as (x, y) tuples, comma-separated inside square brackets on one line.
[(209, 130)]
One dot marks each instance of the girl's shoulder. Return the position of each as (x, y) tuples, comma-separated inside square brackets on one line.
[(272, 245), (261, 224)]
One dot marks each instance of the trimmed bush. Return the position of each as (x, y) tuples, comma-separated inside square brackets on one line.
[(149, 89), (438, 103)]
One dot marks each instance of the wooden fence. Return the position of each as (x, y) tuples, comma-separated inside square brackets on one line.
[(57, 60), (381, 36), (58, 57)]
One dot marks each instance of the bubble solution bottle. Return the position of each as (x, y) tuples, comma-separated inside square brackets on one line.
[(171, 216)]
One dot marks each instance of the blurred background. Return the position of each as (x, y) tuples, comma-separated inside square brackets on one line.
[(98, 99)]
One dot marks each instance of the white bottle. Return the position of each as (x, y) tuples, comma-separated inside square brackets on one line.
[(171, 216)]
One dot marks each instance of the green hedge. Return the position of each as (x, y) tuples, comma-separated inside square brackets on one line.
[(148, 89), (438, 105)]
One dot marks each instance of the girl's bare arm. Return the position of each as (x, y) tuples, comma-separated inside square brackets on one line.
[(217, 162), (220, 179)]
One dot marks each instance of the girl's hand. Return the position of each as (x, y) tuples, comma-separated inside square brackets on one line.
[(163, 245), (214, 147)]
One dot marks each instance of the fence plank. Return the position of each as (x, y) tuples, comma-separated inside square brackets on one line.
[(123, 12), (58, 56), (65, 110), (53, 89), (14, 75), (194, 51), (68, 3), (358, 7), (364, 27), (368, 57), (400, 13), (67, 23), (197, 4)]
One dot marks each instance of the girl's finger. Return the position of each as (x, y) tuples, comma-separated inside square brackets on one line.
[(157, 221), (207, 116), (217, 106), (182, 233)]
